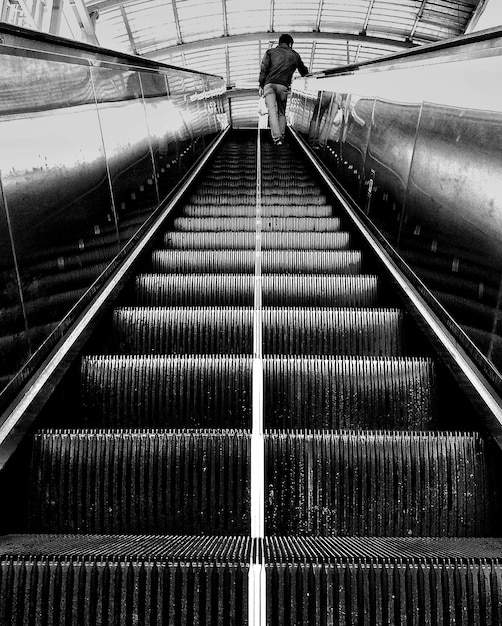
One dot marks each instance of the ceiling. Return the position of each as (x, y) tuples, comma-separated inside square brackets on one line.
[(229, 37)]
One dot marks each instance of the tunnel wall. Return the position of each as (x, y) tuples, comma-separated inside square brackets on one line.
[(90, 144)]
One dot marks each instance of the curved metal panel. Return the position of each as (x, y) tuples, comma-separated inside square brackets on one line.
[(88, 148)]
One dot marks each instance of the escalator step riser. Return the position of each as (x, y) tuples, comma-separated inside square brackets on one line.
[(333, 393), (214, 391), (196, 290), (167, 392), (247, 240), (230, 331), (375, 593), (223, 200), (216, 210), (129, 482), (238, 290), (376, 483), (314, 290), (242, 262), (52, 591), (333, 331), (183, 331), (285, 198), (295, 224)]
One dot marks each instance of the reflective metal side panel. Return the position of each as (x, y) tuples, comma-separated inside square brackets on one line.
[(416, 142), (89, 148)]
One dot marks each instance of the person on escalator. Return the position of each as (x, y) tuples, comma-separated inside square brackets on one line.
[(277, 69)]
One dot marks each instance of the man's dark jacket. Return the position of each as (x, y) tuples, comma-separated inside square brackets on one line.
[(279, 64)]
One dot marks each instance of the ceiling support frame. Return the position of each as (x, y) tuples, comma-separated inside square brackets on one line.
[(177, 22), (216, 42), (272, 7), (225, 17), (367, 18), (227, 64), (30, 20), (83, 17), (319, 15), (128, 29), (312, 55), (55, 17), (417, 20)]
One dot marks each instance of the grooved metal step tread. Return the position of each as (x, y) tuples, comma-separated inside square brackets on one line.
[(171, 548), (278, 549)]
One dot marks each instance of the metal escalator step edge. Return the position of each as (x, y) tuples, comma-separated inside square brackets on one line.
[(298, 549), (247, 240), (295, 224), (216, 210), (171, 548), (243, 261)]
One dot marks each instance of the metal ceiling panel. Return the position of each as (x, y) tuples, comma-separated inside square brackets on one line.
[(200, 20), (248, 17)]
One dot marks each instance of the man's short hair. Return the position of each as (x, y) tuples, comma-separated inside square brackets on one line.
[(287, 39)]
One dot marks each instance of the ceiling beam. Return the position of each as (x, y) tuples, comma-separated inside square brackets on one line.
[(476, 15), (225, 18), (227, 64), (128, 29), (417, 19), (367, 18), (177, 22), (312, 55), (319, 14), (84, 19), (215, 42)]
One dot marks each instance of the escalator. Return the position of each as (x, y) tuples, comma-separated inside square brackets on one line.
[(258, 433)]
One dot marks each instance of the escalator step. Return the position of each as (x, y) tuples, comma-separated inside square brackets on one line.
[(230, 331), (243, 261), (319, 291), (349, 392), (378, 483), (250, 211), (370, 592), (50, 590), (333, 331), (183, 331), (125, 482), (284, 198), (295, 224), (167, 392), (194, 290), (247, 240)]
